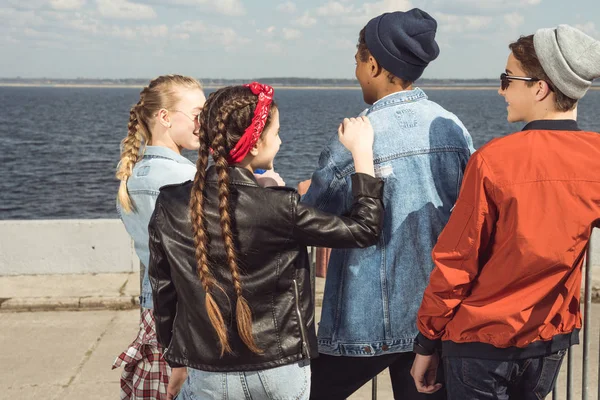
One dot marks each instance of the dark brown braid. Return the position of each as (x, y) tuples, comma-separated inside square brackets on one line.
[(226, 115)]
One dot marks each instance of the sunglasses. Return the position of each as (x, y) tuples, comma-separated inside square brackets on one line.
[(505, 80), (193, 118)]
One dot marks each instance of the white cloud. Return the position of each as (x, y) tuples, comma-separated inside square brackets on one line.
[(226, 37), (376, 8), (225, 7), (145, 32), (344, 44), (342, 13), (274, 48), (291, 34), (590, 29), (514, 20), (495, 4), (123, 9), (305, 20), (287, 7), (333, 9), (19, 18), (462, 23), (270, 31), (67, 4), (462, 7), (190, 27)]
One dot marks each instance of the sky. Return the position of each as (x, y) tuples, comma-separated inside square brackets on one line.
[(245, 39)]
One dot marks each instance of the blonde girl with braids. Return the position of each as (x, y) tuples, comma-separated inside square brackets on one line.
[(161, 124), (229, 266)]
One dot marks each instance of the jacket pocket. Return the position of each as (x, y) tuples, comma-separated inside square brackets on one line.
[(457, 227)]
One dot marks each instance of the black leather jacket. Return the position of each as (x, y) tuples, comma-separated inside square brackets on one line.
[(272, 229)]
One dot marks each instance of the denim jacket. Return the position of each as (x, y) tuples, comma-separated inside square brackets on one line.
[(372, 295), (159, 166)]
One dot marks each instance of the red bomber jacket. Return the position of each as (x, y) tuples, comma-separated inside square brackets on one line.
[(508, 265)]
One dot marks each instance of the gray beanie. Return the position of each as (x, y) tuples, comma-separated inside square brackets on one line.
[(570, 58)]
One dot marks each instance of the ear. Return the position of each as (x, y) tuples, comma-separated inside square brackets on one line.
[(374, 68), (163, 118), (254, 150), (542, 90)]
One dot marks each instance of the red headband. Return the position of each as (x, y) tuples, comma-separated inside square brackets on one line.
[(259, 120)]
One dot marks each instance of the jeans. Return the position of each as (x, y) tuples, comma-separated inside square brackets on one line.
[(336, 378), (481, 379), (288, 382)]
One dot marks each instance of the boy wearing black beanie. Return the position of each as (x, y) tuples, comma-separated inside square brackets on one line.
[(372, 295)]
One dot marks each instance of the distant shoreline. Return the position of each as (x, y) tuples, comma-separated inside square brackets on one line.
[(283, 87), (99, 86)]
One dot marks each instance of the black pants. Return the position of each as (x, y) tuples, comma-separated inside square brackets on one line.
[(480, 379), (336, 378)]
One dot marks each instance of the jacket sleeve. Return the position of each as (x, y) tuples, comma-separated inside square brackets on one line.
[(462, 249), (360, 228), (328, 192), (163, 289)]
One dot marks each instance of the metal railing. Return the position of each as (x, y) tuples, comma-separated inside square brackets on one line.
[(586, 391), (587, 321)]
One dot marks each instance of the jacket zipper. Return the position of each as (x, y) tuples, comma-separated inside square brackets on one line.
[(166, 350), (305, 349)]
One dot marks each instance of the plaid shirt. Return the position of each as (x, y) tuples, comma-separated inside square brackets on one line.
[(146, 373)]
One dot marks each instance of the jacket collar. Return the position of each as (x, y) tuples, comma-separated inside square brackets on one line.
[(405, 96), (552, 125), (237, 176), (165, 152)]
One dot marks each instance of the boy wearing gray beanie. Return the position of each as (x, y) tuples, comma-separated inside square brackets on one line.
[(371, 297), (503, 299)]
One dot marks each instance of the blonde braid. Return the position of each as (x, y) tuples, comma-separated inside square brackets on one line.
[(137, 137)]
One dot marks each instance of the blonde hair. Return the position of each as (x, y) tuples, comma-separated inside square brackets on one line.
[(162, 92)]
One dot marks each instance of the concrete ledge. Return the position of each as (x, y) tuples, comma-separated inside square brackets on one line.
[(70, 303), (65, 247)]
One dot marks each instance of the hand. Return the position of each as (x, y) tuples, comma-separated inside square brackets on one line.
[(424, 372), (269, 178), (178, 377), (303, 187), (356, 134)]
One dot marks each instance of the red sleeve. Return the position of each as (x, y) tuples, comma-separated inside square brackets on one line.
[(457, 254)]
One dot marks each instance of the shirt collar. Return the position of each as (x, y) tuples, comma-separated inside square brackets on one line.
[(165, 152), (237, 175), (552, 125)]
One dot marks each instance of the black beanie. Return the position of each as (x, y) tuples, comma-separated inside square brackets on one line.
[(403, 42)]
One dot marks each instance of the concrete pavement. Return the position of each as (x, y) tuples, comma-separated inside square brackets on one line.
[(68, 355), (61, 354)]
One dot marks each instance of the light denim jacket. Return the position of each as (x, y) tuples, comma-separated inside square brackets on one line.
[(372, 295), (159, 166)]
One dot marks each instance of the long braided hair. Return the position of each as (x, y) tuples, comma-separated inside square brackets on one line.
[(162, 92), (225, 116)]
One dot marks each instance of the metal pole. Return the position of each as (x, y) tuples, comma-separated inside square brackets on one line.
[(313, 274), (587, 317), (374, 388), (555, 391), (570, 373)]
